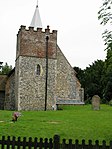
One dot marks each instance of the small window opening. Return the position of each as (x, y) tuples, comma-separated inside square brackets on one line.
[(38, 70)]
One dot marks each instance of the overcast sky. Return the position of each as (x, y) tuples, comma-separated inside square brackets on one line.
[(79, 31)]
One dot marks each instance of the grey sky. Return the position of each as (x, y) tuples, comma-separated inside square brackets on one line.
[(79, 32)]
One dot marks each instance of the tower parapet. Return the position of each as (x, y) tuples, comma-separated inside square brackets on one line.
[(32, 42), (47, 30)]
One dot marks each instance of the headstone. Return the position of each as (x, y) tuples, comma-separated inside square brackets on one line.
[(96, 102)]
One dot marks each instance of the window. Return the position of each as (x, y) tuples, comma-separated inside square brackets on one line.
[(38, 70)]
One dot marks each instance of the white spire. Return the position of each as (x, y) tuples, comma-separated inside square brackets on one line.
[(36, 20)]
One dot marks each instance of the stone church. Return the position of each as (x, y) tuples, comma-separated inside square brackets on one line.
[(42, 77)]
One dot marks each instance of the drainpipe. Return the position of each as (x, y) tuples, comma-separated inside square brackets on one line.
[(47, 38)]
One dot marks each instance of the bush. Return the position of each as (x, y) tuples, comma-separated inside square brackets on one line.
[(110, 102), (88, 101), (104, 101)]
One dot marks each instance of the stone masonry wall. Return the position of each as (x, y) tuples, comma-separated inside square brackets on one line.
[(17, 83), (3, 79), (68, 86), (9, 103), (31, 87), (2, 99)]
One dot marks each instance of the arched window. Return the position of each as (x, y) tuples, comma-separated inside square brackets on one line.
[(38, 70)]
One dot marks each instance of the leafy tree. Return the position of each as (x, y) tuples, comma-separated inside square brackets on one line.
[(1, 65), (108, 88), (5, 69), (105, 16), (91, 79), (97, 78), (107, 78), (80, 75), (105, 13)]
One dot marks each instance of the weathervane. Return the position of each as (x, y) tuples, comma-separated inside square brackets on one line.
[(37, 3)]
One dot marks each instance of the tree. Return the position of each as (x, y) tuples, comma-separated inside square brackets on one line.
[(107, 77), (79, 74), (97, 78), (91, 79), (105, 13), (1, 65), (108, 87), (5, 69), (105, 16)]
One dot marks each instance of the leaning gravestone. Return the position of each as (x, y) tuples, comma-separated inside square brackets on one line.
[(96, 102)]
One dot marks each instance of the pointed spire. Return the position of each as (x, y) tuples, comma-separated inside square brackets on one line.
[(36, 20)]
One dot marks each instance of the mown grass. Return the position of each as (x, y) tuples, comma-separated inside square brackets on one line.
[(73, 122)]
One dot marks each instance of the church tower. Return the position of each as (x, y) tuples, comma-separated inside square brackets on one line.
[(34, 66)]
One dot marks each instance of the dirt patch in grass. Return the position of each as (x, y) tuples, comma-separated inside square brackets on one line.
[(1, 121), (54, 122)]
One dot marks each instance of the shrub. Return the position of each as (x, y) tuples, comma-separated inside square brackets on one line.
[(110, 102), (104, 101), (88, 101)]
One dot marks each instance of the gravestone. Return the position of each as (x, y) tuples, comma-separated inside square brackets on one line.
[(96, 102)]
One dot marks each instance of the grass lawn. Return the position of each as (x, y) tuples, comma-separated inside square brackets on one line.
[(73, 122)]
